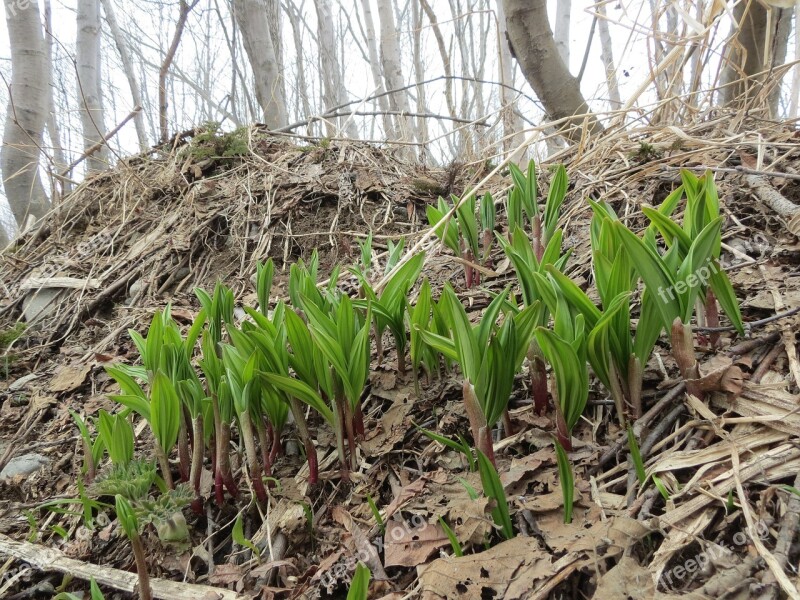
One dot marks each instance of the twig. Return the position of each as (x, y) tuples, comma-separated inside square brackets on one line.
[(376, 113), (640, 424), (100, 144), (738, 169), (751, 324), (49, 559)]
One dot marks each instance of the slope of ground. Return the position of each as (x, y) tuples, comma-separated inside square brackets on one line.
[(127, 242)]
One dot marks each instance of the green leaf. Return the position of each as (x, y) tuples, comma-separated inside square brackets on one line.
[(237, 534), (467, 224), (492, 488), (653, 272), (555, 198), (454, 543), (300, 390), (567, 479), (359, 586), (572, 380), (445, 228), (165, 412), (636, 457), (127, 517)]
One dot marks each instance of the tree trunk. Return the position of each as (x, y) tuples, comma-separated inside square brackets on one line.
[(25, 115), (512, 122), (392, 70), (53, 129), (561, 30), (375, 67), (251, 16), (533, 45), (127, 66), (333, 93), (794, 95), (758, 42), (90, 96), (607, 56), (185, 9)]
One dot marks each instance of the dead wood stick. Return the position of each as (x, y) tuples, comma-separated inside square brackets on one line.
[(752, 324), (50, 559), (99, 144)]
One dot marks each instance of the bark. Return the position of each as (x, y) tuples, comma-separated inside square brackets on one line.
[(375, 68), (127, 66), (392, 69), (253, 22), (53, 129), (561, 31), (300, 71), (185, 9), (757, 43), (512, 122), (333, 93), (533, 45), (26, 115), (607, 56), (794, 95), (419, 73), (90, 96)]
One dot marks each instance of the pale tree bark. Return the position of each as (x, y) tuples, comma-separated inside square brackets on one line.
[(252, 19), (53, 129), (185, 9), (392, 69), (333, 92), (607, 57), (419, 73), (389, 129), (90, 95), (561, 30), (26, 115), (274, 13), (757, 41), (466, 141), (794, 95), (127, 66), (532, 43), (512, 121), (302, 106)]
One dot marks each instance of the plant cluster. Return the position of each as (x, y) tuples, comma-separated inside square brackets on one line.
[(250, 376)]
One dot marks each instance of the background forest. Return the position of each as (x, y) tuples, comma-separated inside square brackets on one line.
[(323, 68), (400, 299)]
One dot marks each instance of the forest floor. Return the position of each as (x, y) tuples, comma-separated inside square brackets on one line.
[(130, 240)]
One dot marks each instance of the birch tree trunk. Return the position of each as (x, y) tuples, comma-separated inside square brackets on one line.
[(333, 92), (251, 17), (419, 73), (532, 43), (561, 31), (389, 129), (53, 129), (90, 96), (794, 95), (607, 56), (392, 70), (26, 115), (512, 122), (127, 66)]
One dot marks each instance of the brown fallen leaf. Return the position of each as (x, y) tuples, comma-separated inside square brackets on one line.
[(225, 574), (69, 377), (408, 546), (509, 570)]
